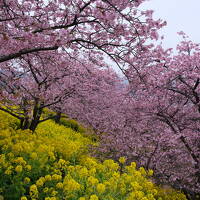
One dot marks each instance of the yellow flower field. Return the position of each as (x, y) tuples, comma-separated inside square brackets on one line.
[(54, 164)]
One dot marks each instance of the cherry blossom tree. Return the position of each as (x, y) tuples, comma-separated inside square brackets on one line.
[(41, 40), (181, 115), (40, 82), (44, 81), (161, 116)]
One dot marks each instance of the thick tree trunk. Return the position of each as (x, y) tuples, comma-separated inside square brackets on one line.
[(32, 122), (33, 125), (29, 124), (58, 117), (37, 112), (24, 124)]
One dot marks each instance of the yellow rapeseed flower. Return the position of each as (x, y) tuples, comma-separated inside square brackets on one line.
[(154, 191), (71, 185), (40, 182), (136, 185), (94, 197), (33, 191), (28, 167), (62, 163), (27, 180), (149, 185), (139, 194), (2, 158), (101, 188), (56, 177), (122, 160), (20, 160), (51, 155), (8, 172), (54, 193), (82, 198), (110, 164), (144, 198), (137, 173), (92, 180), (18, 168), (116, 175), (33, 155), (83, 172), (53, 198), (10, 155), (23, 198), (92, 171), (89, 162), (150, 196), (150, 172), (59, 185), (133, 164), (57, 171), (46, 189), (48, 178), (17, 148), (142, 171)]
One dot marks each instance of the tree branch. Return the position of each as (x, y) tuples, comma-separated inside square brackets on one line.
[(26, 51), (9, 112)]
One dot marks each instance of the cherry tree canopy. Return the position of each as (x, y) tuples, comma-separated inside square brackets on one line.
[(92, 26), (43, 42)]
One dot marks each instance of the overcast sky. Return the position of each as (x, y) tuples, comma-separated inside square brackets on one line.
[(181, 15)]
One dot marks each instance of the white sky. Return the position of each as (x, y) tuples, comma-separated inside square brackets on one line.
[(181, 15)]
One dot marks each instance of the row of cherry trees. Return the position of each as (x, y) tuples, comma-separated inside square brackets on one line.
[(154, 119), (52, 56), (162, 117)]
